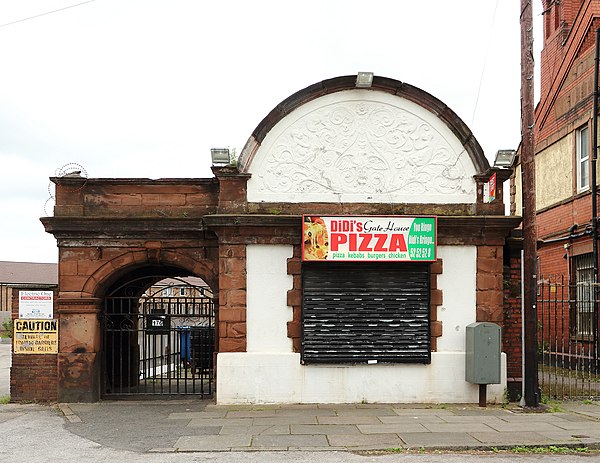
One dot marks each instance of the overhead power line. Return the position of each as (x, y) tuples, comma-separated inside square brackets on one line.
[(44, 14), (487, 52)]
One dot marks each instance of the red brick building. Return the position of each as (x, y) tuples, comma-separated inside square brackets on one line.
[(563, 128)]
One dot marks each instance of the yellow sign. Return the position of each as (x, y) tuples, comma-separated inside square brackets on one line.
[(35, 337)]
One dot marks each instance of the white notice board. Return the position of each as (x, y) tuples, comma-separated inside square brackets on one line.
[(36, 304)]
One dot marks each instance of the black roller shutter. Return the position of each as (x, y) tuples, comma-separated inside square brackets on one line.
[(365, 313)]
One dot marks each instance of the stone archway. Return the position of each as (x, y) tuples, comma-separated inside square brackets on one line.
[(83, 357)]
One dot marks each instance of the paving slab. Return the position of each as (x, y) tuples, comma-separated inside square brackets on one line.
[(439, 439), (511, 438), (305, 412), (523, 427), (349, 419), (324, 429), (422, 411), (366, 412), (220, 422), (304, 419), (209, 443), (456, 427), (572, 439), (288, 441), (197, 415), (391, 428), (371, 441), (256, 429), (461, 419), (250, 413), (412, 419)]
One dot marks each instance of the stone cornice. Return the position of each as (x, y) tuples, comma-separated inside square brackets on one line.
[(117, 227), (79, 305), (106, 227)]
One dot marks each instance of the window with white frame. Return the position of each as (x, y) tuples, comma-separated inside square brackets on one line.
[(584, 293), (583, 159)]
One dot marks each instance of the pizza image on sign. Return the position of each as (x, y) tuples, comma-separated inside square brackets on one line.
[(316, 238)]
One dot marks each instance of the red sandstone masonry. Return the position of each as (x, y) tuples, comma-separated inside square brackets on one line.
[(490, 297), (232, 298)]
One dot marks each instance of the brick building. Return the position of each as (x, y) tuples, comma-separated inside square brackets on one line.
[(563, 128), (346, 251), (23, 275)]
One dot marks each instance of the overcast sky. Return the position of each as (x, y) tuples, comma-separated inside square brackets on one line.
[(144, 88)]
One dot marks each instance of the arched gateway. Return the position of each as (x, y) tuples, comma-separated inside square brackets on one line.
[(346, 251)]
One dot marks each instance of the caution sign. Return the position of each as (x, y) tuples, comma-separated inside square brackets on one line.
[(35, 337)]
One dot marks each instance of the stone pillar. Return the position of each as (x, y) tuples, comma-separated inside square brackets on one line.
[(232, 298), (490, 296), (80, 341), (232, 189)]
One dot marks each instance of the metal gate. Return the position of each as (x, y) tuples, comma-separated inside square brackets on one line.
[(160, 342), (568, 363)]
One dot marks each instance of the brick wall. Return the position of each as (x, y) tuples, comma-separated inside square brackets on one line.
[(33, 377), (512, 323), (182, 198)]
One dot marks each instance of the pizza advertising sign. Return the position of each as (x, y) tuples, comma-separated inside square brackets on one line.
[(369, 238)]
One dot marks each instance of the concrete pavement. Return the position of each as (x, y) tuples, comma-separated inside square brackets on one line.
[(201, 426), (193, 425)]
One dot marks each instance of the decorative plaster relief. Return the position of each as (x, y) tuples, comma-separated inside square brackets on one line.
[(379, 147)]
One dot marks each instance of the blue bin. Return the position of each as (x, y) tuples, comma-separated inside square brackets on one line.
[(185, 343)]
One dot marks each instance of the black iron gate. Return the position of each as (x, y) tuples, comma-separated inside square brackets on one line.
[(159, 343), (568, 367)]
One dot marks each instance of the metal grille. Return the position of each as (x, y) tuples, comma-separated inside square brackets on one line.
[(159, 345), (365, 313), (567, 357), (584, 293)]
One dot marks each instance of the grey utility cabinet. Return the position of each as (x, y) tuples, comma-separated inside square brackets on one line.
[(483, 353)]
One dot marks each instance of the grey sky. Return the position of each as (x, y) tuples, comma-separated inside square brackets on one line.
[(144, 88)]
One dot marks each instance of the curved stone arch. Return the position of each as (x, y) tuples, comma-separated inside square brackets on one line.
[(118, 267), (392, 142)]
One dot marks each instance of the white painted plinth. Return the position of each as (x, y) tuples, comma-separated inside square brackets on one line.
[(256, 378)]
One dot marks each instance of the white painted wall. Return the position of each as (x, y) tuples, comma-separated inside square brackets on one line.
[(280, 378), (267, 284), (271, 373), (458, 285), (361, 146)]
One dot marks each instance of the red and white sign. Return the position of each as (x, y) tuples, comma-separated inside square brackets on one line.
[(492, 187), (369, 238), (36, 304)]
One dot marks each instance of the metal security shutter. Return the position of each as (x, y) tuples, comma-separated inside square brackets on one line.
[(361, 312)]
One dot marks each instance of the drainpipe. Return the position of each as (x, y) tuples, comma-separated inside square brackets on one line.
[(595, 200)]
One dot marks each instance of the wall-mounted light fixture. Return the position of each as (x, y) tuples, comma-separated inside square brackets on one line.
[(505, 158), (220, 156), (364, 80)]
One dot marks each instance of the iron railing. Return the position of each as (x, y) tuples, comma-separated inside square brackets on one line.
[(567, 360)]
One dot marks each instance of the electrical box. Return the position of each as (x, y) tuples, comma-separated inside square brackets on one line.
[(483, 353)]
